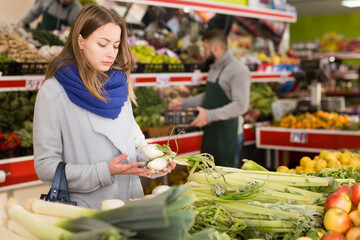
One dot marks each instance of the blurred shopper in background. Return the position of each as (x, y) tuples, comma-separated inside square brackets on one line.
[(55, 13), (225, 100)]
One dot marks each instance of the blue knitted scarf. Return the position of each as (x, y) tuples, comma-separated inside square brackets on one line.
[(115, 88)]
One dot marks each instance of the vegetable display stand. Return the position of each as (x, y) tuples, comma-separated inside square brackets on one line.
[(22, 173), (34, 82), (304, 140)]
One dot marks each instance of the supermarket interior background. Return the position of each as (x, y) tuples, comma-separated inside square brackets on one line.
[(304, 60)]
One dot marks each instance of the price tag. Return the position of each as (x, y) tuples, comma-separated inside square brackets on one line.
[(163, 81), (132, 81), (196, 77), (283, 77), (298, 137), (34, 84)]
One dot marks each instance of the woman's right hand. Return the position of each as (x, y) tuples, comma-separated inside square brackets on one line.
[(118, 168)]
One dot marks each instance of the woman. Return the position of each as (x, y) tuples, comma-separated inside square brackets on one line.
[(83, 114)]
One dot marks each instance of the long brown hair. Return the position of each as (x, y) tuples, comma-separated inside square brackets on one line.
[(90, 18)]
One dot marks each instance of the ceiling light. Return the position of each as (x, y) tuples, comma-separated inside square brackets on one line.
[(351, 3)]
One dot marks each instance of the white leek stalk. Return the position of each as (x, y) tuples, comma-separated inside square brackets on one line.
[(36, 226), (111, 204), (6, 234), (59, 209), (16, 228)]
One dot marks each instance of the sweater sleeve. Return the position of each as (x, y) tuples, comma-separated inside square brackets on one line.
[(239, 86), (195, 101), (34, 13), (48, 151)]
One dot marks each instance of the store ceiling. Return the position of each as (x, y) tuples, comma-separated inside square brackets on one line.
[(320, 7)]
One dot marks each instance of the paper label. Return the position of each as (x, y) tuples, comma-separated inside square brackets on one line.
[(34, 84), (196, 78), (163, 81), (298, 137)]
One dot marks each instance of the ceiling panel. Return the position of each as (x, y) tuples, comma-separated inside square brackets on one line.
[(320, 7)]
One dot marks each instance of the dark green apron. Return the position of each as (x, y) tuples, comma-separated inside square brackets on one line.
[(51, 22), (219, 137)]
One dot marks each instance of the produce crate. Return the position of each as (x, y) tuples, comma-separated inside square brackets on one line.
[(16, 152), (29, 68), (179, 116), (7, 68), (163, 67), (153, 132)]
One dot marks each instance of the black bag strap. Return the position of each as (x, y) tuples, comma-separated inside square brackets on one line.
[(59, 191)]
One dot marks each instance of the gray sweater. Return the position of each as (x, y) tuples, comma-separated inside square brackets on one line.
[(235, 81), (56, 9), (66, 132)]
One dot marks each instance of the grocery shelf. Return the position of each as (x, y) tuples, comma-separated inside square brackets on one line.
[(338, 55), (223, 8), (33, 82), (306, 140), (345, 76), (345, 94), (22, 173)]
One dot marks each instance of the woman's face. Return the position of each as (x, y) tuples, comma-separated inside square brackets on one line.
[(102, 46)]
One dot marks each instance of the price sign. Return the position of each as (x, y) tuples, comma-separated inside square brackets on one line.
[(283, 77), (132, 81), (196, 77), (163, 81), (34, 84), (298, 137)]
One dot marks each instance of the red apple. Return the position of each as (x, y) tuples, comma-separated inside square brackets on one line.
[(338, 200), (353, 233), (336, 219), (355, 193), (344, 188), (333, 235)]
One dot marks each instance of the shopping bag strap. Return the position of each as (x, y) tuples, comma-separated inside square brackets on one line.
[(59, 191)]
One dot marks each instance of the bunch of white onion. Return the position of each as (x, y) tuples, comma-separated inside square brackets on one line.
[(158, 155)]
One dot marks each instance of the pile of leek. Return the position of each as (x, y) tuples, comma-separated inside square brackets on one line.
[(165, 216)]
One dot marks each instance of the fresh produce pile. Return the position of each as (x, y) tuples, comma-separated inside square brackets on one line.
[(326, 161), (334, 42), (342, 216), (319, 120), (261, 98), (155, 60), (148, 112), (16, 114), (162, 216)]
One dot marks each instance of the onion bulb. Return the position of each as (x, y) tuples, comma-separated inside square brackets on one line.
[(151, 151), (157, 164)]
